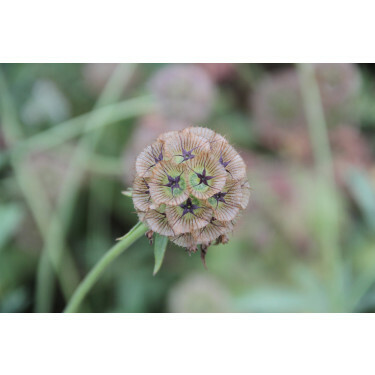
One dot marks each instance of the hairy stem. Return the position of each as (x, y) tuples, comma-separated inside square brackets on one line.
[(92, 277)]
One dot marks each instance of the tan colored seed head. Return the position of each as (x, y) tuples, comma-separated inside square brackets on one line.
[(190, 186)]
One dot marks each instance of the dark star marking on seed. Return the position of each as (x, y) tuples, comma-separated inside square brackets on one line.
[(220, 197), (159, 158), (188, 207), (187, 155), (173, 182), (222, 162), (203, 178), (147, 191)]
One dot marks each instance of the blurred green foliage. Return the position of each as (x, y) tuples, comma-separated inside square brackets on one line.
[(69, 136)]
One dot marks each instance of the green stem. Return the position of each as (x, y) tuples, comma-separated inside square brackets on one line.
[(32, 191), (97, 118), (78, 164), (316, 120), (329, 239), (92, 277)]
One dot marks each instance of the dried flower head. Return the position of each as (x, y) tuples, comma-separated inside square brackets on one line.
[(183, 92), (190, 185)]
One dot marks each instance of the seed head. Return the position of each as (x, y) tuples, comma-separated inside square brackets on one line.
[(190, 186)]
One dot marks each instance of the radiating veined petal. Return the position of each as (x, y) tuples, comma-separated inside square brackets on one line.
[(148, 158), (184, 147), (158, 222), (229, 158), (245, 190), (185, 240), (212, 231), (205, 176), (227, 203), (168, 183), (141, 194), (188, 216), (208, 134)]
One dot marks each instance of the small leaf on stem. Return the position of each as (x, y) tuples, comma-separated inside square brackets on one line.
[(159, 251), (128, 193)]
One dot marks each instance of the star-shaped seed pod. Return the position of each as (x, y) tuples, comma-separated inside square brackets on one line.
[(191, 186)]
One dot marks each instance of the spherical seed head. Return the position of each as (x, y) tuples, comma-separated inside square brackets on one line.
[(190, 186)]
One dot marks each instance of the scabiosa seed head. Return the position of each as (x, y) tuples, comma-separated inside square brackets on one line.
[(190, 186)]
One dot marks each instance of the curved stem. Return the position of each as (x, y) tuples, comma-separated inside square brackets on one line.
[(34, 196), (70, 187), (92, 277)]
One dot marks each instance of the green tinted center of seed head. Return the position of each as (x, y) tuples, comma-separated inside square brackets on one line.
[(199, 179), (174, 183), (190, 206)]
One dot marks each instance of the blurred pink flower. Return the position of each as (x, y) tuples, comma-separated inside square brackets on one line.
[(219, 72), (278, 203), (96, 76), (278, 108), (279, 114), (350, 150), (183, 92), (338, 84)]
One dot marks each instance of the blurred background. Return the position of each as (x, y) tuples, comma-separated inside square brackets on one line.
[(69, 136)]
